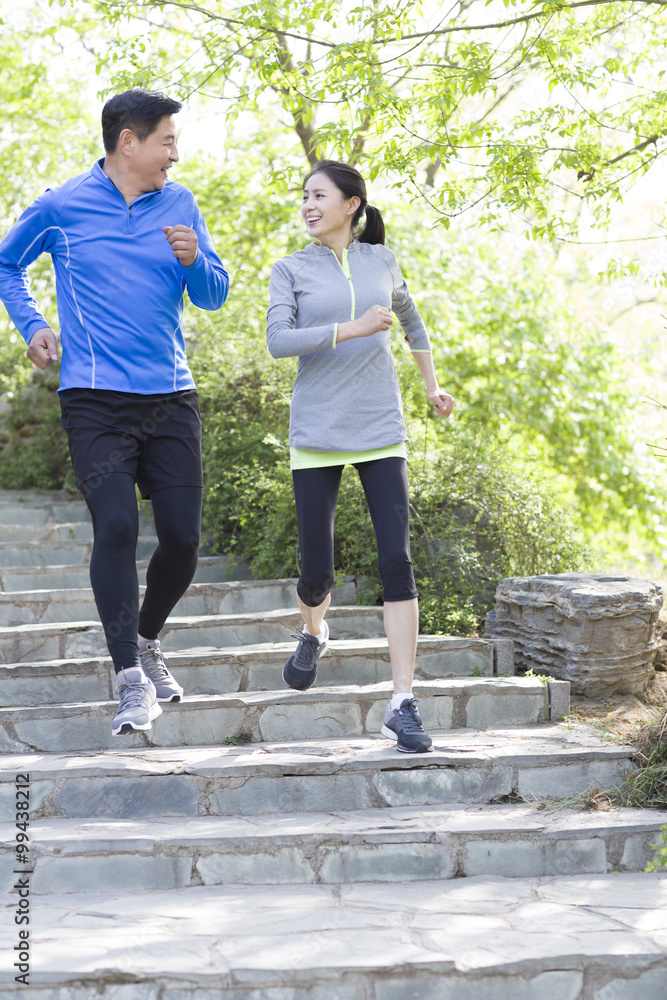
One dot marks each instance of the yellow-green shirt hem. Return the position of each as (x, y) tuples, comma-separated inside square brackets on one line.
[(304, 458)]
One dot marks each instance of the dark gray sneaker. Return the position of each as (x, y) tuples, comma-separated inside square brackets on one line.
[(152, 660), (137, 702), (405, 726), (300, 670)]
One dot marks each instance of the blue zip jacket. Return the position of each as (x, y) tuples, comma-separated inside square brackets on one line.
[(119, 287)]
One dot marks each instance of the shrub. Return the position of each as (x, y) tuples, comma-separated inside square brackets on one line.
[(35, 453)]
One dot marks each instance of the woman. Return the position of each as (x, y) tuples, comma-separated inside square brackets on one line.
[(331, 305)]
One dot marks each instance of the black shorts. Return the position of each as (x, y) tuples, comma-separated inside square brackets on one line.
[(156, 439)]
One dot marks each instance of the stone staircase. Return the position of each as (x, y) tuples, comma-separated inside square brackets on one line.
[(264, 844)]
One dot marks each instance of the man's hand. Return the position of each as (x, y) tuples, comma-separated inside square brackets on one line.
[(183, 241), (43, 349)]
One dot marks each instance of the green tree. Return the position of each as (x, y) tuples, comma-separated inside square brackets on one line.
[(532, 109)]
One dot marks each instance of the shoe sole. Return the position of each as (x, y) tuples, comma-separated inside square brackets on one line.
[(390, 734), (130, 727), (172, 697)]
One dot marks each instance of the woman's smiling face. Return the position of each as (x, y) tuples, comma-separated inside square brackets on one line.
[(326, 212)]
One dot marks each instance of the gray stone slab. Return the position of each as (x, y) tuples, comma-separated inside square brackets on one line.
[(448, 784), (311, 721), (501, 707), (131, 872), (544, 986), (558, 782), (387, 863), (523, 857), (149, 795), (274, 937), (36, 554), (21, 687), (39, 792), (503, 657), (292, 793), (559, 699), (638, 850), (649, 985), (282, 866)]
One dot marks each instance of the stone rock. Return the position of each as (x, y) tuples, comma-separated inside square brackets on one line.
[(597, 632)]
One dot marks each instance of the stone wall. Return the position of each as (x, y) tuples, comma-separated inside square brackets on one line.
[(597, 632)]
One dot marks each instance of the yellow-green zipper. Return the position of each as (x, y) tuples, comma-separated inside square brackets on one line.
[(346, 271)]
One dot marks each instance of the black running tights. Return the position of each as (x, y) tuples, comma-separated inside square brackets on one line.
[(112, 502)]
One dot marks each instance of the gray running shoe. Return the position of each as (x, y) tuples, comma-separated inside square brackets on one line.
[(137, 702), (300, 670), (154, 666), (405, 726)]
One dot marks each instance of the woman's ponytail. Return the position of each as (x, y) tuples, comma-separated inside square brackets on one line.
[(373, 231)]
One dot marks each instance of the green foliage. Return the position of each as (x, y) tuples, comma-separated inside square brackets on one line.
[(659, 861), (646, 787), (35, 453), (534, 114), (543, 678), (529, 373), (45, 130)]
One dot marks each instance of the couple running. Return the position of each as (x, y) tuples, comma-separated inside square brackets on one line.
[(126, 243)]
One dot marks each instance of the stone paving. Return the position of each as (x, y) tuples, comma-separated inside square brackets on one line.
[(579, 938), (268, 845)]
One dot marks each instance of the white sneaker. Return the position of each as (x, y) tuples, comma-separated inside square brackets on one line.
[(137, 702), (152, 660)]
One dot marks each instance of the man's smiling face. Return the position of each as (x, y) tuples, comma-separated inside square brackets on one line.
[(152, 158)]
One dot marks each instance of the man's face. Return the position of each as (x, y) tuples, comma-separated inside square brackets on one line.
[(152, 158)]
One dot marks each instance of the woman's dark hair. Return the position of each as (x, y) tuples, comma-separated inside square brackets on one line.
[(350, 183), (140, 110)]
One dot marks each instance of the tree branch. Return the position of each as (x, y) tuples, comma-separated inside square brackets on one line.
[(588, 175), (235, 21), (520, 20)]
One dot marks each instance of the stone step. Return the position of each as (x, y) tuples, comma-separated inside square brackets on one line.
[(31, 607), (36, 511), (211, 569), (596, 937), (257, 716), (59, 641), (536, 763), (428, 842), (18, 535), (244, 668), (64, 553)]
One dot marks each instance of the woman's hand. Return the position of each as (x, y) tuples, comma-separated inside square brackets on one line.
[(372, 321), (443, 403)]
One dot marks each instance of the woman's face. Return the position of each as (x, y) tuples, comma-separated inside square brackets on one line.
[(327, 213)]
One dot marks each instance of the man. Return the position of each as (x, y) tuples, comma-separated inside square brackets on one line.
[(126, 243)]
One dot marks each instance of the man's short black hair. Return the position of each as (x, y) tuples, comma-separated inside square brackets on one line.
[(140, 110)]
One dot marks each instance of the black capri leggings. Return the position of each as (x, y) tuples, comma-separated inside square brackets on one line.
[(385, 484)]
